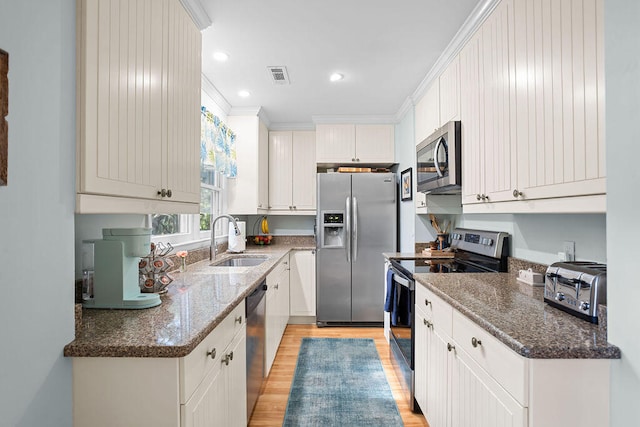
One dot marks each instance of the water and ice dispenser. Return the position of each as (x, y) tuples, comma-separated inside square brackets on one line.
[(332, 230)]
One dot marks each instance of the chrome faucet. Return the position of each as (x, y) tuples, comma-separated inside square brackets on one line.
[(214, 249)]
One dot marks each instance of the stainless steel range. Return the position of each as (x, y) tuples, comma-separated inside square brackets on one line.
[(476, 251), (576, 287)]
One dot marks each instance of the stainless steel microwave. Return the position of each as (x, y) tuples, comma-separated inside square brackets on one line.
[(438, 161)]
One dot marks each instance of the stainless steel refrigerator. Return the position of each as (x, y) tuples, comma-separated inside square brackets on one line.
[(356, 223)]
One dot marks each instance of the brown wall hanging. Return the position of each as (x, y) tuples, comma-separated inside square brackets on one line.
[(4, 112)]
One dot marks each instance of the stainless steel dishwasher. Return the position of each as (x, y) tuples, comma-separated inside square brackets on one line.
[(255, 309)]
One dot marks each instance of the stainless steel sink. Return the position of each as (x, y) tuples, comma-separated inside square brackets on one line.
[(240, 261)]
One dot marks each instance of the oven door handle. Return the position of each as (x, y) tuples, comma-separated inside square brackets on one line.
[(401, 280)]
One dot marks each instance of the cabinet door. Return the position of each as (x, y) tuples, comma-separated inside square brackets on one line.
[(280, 167), (183, 77), (302, 297), (207, 406), (560, 98), (478, 400), (498, 103), (236, 377), (438, 390), (473, 155), (303, 170), (375, 144), (335, 143), (263, 166), (427, 113), (120, 130), (421, 359), (450, 92)]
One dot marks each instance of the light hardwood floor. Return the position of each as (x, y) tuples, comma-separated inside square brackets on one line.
[(272, 403)]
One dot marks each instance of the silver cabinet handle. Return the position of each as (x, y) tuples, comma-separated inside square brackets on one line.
[(517, 193), (475, 342), (238, 320), (450, 347), (355, 229), (212, 353)]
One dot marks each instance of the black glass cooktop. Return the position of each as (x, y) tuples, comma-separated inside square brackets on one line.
[(463, 262)]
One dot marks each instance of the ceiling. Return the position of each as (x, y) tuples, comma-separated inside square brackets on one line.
[(384, 49)]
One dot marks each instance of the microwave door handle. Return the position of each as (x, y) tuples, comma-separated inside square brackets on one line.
[(355, 229), (347, 233), (435, 157)]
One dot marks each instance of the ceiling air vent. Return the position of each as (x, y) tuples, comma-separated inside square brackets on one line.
[(279, 75)]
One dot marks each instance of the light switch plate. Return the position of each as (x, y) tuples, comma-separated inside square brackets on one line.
[(569, 249)]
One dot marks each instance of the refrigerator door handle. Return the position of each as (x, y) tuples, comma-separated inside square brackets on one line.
[(348, 230), (355, 229)]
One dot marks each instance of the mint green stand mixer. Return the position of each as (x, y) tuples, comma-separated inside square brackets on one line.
[(116, 269)]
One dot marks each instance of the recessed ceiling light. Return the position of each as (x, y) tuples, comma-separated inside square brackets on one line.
[(336, 77), (244, 93), (220, 56)]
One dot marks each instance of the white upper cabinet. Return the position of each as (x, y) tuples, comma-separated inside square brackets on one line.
[(450, 92), (248, 193), (138, 145), (427, 113), (350, 143), (560, 98), (375, 144), (292, 171)]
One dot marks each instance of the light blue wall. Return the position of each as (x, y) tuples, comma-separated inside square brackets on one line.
[(36, 214), (405, 156), (622, 71)]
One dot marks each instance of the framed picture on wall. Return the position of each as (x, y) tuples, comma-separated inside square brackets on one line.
[(406, 186)]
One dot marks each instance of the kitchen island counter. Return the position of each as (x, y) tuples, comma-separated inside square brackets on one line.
[(516, 314), (196, 302)]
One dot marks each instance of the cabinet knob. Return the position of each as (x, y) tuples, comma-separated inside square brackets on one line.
[(260, 205), (169, 193), (450, 347), (353, 159), (277, 286), (478, 197), (225, 360), (426, 302), (428, 324), (290, 207), (238, 320), (475, 342), (295, 207), (517, 193), (357, 159), (231, 356), (212, 353), (164, 192)]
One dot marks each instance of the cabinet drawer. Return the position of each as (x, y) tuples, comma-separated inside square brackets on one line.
[(434, 309), (509, 369), (195, 366)]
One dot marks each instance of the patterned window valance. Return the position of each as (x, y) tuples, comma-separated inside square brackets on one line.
[(217, 145)]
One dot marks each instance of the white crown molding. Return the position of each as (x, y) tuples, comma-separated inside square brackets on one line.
[(404, 109), (363, 120), (263, 117), (292, 126), (210, 89), (245, 111), (197, 12), (469, 27)]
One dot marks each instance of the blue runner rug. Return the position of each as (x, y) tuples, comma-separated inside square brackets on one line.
[(340, 382)]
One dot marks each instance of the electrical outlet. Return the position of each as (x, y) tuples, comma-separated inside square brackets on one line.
[(569, 249)]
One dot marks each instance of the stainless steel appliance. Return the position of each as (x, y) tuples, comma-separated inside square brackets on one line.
[(438, 161), (576, 287), (356, 223), (254, 313), (476, 251)]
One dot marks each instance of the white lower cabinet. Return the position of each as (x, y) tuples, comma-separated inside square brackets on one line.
[(276, 311), (205, 388), (221, 400), (302, 298), (466, 377)]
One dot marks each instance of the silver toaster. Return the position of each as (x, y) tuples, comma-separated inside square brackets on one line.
[(576, 287)]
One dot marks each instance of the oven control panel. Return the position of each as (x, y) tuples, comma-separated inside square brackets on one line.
[(489, 243)]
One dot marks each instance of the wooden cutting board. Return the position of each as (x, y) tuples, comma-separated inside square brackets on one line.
[(438, 254)]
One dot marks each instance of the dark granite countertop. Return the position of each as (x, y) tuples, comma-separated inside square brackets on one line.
[(517, 315), (196, 302)]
